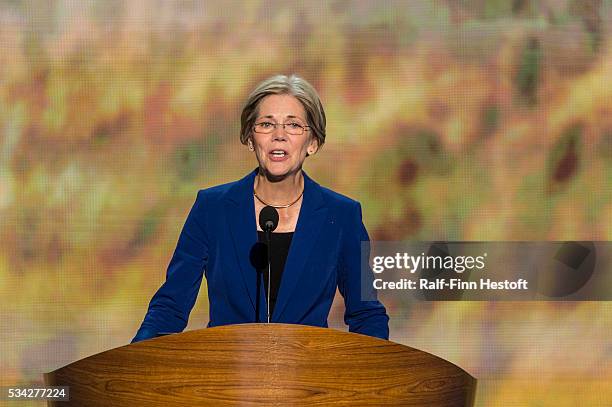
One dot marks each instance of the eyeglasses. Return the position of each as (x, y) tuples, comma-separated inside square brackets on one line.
[(293, 128)]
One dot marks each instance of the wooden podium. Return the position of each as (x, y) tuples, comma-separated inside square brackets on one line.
[(263, 365)]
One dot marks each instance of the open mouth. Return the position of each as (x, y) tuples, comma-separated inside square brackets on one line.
[(278, 153)]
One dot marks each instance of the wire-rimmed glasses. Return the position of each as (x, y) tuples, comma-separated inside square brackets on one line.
[(293, 128)]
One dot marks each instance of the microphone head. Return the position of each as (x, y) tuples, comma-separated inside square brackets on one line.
[(268, 218)]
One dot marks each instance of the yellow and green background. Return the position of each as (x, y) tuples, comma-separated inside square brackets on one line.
[(451, 120)]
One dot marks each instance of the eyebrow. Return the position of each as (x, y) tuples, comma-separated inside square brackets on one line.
[(272, 117)]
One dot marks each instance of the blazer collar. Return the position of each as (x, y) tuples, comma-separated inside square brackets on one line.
[(241, 216)]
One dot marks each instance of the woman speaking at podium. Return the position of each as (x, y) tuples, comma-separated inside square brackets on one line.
[(315, 246)]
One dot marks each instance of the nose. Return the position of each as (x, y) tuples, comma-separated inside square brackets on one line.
[(279, 133)]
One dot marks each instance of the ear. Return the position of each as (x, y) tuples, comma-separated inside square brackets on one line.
[(250, 144), (313, 146)]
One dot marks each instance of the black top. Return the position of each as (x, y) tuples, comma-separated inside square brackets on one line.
[(280, 249)]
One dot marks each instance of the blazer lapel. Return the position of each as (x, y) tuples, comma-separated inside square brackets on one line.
[(240, 214), (310, 221)]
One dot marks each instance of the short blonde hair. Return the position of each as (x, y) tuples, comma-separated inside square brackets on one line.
[(285, 85)]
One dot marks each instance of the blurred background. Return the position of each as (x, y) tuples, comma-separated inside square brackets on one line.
[(455, 120)]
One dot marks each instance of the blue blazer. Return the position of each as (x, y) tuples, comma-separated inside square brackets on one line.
[(217, 239)]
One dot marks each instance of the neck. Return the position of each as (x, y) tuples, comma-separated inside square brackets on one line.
[(279, 191)]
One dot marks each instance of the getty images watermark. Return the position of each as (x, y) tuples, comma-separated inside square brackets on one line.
[(487, 271), (423, 262)]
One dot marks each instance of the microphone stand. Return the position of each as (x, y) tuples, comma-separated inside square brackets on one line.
[(269, 242), (268, 220)]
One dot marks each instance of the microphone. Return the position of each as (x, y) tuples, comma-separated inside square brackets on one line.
[(268, 221)]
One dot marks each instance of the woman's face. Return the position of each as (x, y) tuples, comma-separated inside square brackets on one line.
[(279, 153)]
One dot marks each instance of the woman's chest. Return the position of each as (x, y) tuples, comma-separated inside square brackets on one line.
[(287, 217)]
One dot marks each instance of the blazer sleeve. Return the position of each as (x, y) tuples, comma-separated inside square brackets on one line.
[(171, 305), (362, 316)]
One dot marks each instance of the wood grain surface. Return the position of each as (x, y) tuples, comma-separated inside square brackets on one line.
[(264, 365)]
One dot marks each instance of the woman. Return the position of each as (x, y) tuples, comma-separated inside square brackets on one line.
[(316, 246)]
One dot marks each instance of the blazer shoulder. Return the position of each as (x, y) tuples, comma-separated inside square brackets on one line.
[(216, 192), (338, 200)]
